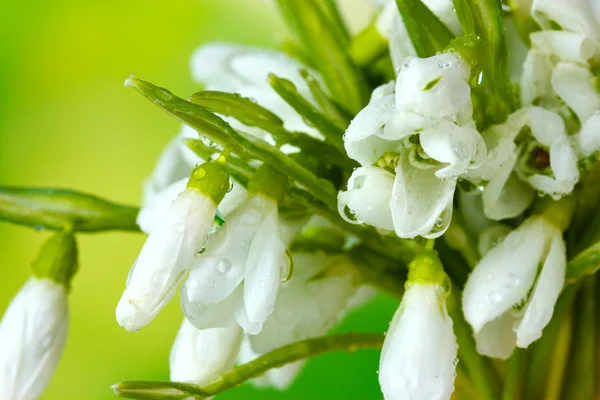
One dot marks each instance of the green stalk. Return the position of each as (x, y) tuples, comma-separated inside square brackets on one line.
[(514, 384), (234, 378)]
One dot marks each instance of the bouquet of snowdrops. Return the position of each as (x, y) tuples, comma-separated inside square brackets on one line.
[(447, 154)]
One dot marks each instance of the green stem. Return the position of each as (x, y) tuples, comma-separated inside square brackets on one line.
[(483, 377), (515, 380), (234, 378)]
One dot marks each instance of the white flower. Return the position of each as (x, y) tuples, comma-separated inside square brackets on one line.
[(510, 295), (199, 355), (279, 378), (419, 352), (310, 303), (541, 158), (248, 248), (424, 134), (165, 258), (33, 332), (239, 69)]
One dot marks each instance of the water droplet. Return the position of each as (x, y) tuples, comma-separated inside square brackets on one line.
[(178, 228), (439, 222), (480, 305), (213, 284), (224, 265), (230, 185), (207, 142), (494, 297), (510, 280), (287, 267)]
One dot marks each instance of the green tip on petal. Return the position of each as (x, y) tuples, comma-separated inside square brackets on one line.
[(57, 259), (211, 179), (269, 182), (426, 268)]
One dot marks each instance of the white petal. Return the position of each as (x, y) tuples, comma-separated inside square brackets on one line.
[(504, 275), (360, 139), (567, 46), (506, 196), (435, 87), (572, 15), (33, 332), (548, 286), (574, 84), (546, 126), (217, 272), (217, 315), (197, 356), (421, 203), (171, 167), (460, 147), (264, 267), (418, 355), (563, 162), (589, 137), (151, 214), (233, 199), (306, 308), (165, 258), (497, 338), (535, 81), (368, 197)]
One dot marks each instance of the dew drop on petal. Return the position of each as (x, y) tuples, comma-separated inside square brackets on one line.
[(178, 228), (494, 297), (481, 305), (510, 280), (224, 265)]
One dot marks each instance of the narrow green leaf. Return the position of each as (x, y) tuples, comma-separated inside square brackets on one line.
[(328, 128), (316, 28), (368, 46), (428, 34), (241, 108), (522, 19), (581, 374), (329, 107), (585, 263), (61, 209), (515, 377), (243, 145), (242, 373)]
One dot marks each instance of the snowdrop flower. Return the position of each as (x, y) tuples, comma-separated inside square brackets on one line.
[(170, 249), (199, 355), (422, 134), (238, 277), (531, 151), (240, 69), (510, 295), (419, 352), (33, 332)]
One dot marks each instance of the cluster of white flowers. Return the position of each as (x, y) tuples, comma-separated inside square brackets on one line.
[(421, 152)]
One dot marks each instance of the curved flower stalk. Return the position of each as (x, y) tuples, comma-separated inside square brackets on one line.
[(510, 295), (418, 359), (421, 137), (199, 355), (171, 247), (244, 70), (531, 151), (237, 279), (33, 333)]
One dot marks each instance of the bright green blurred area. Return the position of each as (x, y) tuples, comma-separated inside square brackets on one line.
[(67, 121)]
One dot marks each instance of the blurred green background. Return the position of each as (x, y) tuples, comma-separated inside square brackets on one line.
[(67, 121)]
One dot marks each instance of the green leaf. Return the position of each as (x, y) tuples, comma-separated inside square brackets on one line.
[(522, 19), (428, 34), (243, 145), (319, 238), (368, 46), (484, 19), (317, 28), (242, 373), (61, 209), (287, 90), (585, 263)]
